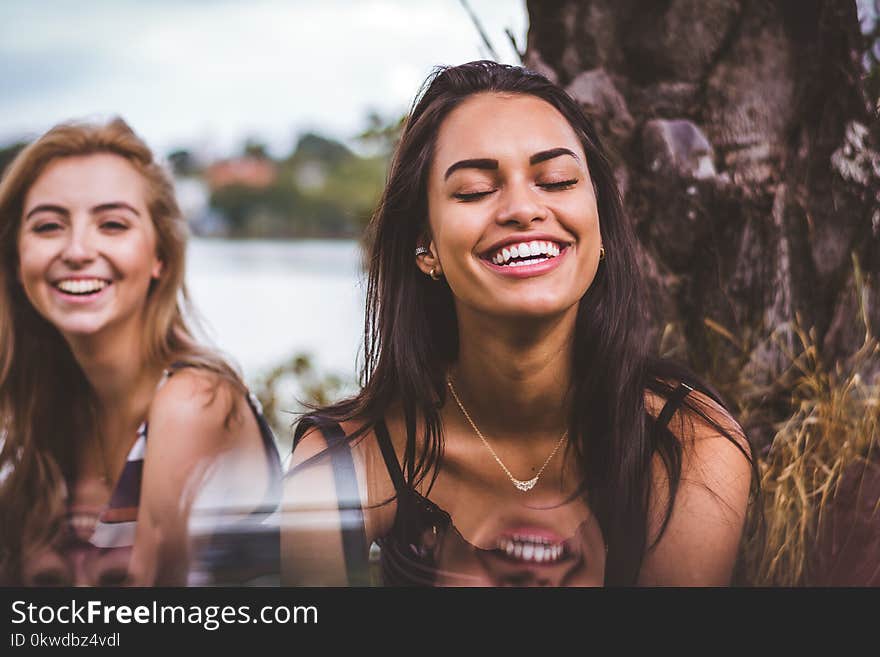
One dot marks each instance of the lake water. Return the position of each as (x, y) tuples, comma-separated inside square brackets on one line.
[(262, 302)]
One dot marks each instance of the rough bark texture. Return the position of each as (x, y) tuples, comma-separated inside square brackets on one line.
[(747, 154)]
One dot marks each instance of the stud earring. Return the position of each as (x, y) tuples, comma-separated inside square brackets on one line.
[(422, 250)]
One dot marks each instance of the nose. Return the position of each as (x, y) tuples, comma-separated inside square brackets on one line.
[(79, 249), (521, 204)]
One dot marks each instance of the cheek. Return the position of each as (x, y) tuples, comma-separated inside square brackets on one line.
[(135, 258), (456, 233), (33, 260)]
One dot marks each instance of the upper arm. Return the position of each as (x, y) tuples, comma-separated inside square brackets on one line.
[(312, 548), (700, 542), (203, 450), (312, 551)]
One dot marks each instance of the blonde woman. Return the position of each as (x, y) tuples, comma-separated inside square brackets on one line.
[(112, 415)]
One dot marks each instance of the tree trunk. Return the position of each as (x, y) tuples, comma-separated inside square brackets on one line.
[(746, 149)]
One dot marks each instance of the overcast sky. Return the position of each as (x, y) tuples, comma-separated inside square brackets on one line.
[(209, 73)]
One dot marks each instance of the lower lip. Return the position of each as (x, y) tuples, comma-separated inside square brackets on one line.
[(527, 271), (80, 299)]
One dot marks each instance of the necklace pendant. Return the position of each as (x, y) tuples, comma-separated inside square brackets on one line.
[(525, 485)]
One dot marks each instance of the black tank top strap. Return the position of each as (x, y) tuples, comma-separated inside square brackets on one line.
[(351, 516), (672, 404), (273, 494), (391, 462)]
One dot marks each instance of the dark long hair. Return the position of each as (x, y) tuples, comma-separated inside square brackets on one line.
[(411, 335)]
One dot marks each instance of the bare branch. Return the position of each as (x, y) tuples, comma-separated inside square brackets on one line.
[(482, 32)]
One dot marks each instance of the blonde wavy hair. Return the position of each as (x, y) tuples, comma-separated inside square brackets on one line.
[(47, 409)]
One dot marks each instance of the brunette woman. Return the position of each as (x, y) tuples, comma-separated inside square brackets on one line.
[(513, 428)]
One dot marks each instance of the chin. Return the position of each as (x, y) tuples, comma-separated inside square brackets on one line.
[(537, 311), (79, 328)]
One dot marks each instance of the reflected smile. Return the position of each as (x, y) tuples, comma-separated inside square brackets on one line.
[(531, 548)]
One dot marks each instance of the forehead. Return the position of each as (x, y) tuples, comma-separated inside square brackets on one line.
[(497, 126), (85, 179)]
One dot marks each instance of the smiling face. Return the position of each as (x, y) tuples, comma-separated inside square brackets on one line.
[(87, 244), (512, 212)]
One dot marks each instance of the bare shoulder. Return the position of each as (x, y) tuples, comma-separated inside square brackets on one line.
[(698, 543), (702, 425), (314, 443), (203, 450), (361, 440), (311, 477), (200, 400)]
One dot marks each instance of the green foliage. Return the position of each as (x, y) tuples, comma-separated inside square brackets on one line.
[(182, 162), (381, 135), (322, 189), (294, 380), (312, 147), (259, 212)]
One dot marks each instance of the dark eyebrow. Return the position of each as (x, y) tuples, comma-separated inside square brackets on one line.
[(46, 207), (472, 164), (543, 156), (103, 207), (116, 205)]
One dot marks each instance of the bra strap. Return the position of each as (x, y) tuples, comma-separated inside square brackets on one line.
[(672, 404), (351, 515), (391, 462)]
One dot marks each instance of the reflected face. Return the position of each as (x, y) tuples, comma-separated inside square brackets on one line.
[(73, 561), (69, 558), (87, 244), (511, 207)]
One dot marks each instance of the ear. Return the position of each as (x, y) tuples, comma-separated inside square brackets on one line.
[(158, 266), (429, 261)]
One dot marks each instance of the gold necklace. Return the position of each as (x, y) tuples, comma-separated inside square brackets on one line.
[(523, 485)]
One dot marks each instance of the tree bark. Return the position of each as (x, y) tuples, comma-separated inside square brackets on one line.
[(747, 152)]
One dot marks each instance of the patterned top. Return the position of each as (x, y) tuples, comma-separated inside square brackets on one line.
[(224, 558)]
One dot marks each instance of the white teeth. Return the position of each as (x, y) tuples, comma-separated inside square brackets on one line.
[(526, 250), (81, 285), (531, 548)]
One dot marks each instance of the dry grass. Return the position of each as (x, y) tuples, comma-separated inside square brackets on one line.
[(834, 424)]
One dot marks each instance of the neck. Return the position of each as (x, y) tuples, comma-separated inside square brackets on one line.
[(113, 364), (514, 376)]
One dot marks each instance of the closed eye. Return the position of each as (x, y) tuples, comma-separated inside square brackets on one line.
[(562, 184), (472, 196)]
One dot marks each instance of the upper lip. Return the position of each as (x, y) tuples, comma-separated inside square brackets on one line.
[(82, 277), (519, 238)]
